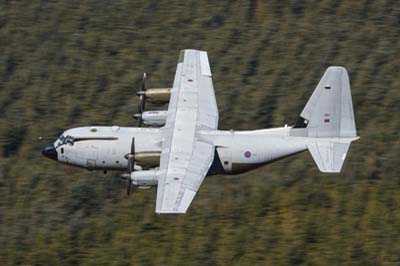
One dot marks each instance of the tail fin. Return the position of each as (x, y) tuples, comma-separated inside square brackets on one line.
[(328, 121)]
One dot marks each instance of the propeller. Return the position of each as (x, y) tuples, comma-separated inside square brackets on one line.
[(142, 101), (131, 166)]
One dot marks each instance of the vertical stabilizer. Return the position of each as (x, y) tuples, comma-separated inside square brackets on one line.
[(327, 121), (329, 111)]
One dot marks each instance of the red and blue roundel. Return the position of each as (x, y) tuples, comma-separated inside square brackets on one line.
[(247, 154)]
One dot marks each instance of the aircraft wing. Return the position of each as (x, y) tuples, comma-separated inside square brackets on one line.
[(185, 159)]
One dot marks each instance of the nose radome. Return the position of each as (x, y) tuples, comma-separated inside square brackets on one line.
[(50, 152)]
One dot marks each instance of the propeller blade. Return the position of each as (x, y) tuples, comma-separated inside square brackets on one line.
[(142, 103), (138, 117), (142, 100), (131, 163), (128, 186), (133, 147), (131, 166), (144, 88)]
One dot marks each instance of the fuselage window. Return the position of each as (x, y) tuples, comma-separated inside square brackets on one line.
[(62, 150)]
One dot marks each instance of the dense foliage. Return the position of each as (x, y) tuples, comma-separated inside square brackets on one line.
[(71, 63)]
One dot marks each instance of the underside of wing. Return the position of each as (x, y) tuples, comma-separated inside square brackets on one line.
[(185, 160), (181, 183)]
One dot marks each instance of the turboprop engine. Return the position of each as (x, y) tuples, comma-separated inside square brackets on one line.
[(145, 179), (152, 118), (141, 177), (156, 95)]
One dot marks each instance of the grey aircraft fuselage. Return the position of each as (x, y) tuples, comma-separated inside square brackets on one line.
[(104, 148)]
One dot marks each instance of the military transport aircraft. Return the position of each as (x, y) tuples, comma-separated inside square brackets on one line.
[(187, 145)]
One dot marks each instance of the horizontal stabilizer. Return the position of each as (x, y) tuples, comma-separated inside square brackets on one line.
[(329, 156)]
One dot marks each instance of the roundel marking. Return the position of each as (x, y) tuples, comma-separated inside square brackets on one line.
[(247, 154)]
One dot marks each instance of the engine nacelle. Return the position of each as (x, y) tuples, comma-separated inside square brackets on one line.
[(146, 178), (156, 95), (154, 118), (148, 159)]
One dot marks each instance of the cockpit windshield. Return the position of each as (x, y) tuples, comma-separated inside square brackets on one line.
[(65, 140)]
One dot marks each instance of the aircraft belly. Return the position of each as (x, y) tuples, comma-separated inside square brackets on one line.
[(238, 168), (248, 155)]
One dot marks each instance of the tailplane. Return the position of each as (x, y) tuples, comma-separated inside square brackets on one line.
[(329, 155), (327, 121)]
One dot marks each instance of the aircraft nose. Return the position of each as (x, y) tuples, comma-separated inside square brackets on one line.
[(50, 151)]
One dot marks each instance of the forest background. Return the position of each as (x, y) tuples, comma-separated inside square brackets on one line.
[(65, 64)]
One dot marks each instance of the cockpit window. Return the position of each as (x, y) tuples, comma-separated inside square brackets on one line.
[(69, 140), (65, 140)]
